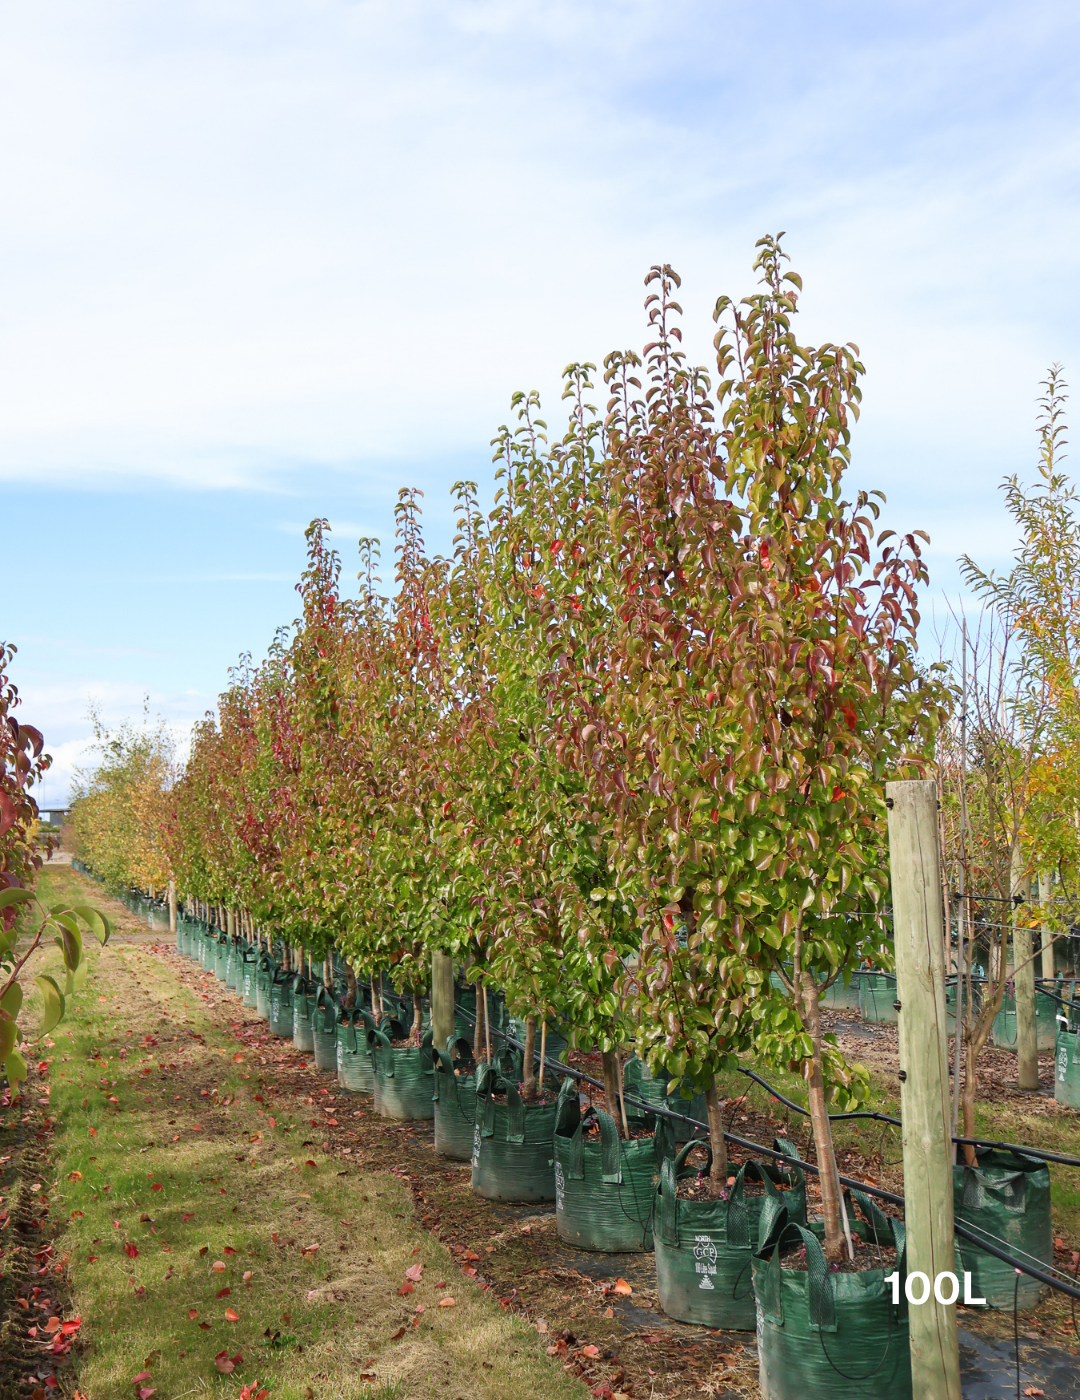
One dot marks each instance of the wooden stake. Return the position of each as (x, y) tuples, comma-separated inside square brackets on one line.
[(442, 999), (914, 863), (1027, 1042), (543, 1052)]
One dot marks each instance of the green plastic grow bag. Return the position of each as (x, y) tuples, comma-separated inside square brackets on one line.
[(324, 1031), (248, 971), (1003, 1033), (1067, 1068), (704, 1248), (302, 1007), (404, 1078), (604, 1188), (823, 1336), (281, 1004), (221, 956), (877, 997), (354, 1068), (264, 980), (202, 950), (638, 1081), (233, 965), (513, 1155), (1008, 1197), (455, 1099)]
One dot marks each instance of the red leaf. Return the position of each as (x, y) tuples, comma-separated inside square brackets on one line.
[(146, 1392), (192, 1313), (405, 1288), (223, 1293), (185, 1218), (397, 1336), (142, 1376), (228, 1249), (470, 1257), (131, 1250), (414, 1272), (71, 1326), (232, 1315), (157, 1186)]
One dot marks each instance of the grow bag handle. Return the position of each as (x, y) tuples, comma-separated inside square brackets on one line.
[(378, 1040), (515, 1116), (443, 1069), (820, 1297), (250, 955), (392, 1028), (281, 977), (567, 1107), (610, 1157), (351, 1019)]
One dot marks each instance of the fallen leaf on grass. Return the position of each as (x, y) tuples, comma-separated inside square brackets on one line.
[(146, 1391), (397, 1336), (470, 1257), (231, 1315), (447, 1302), (227, 1364), (53, 1325), (70, 1327), (247, 1277), (192, 1313), (74, 1176), (541, 1325), (609, 1312), (76, 1214), (228, 1249), (622, 1287), (185, 1218), (591, 1352), (142, 1376), (205, 1326), (157, 1186), (405, 1288), (131, 1250), (217, 1267), (309, 1249), (204, 1250), (414, 1272)]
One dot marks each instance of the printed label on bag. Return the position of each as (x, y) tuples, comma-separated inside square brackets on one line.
[(1063, 1064), (560, 1183), (476, 1147)]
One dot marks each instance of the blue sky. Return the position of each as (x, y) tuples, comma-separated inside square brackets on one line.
[(266, 261)]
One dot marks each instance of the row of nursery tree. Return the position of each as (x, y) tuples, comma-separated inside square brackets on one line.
[(623, 755)]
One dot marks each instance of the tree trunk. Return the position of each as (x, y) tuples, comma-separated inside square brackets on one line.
[(1047, 940), (418, 1016), (610, 1061), (172, 907), (828, 1177), (478, 1036), (351, 993), (718, 1172), (529, 1074)]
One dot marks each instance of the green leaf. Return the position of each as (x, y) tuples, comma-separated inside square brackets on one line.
[(11, 1002), (53, 998), (9, 1033), (15, 1069), (75, 980), (70, 943), (15, 896), (98, 924)]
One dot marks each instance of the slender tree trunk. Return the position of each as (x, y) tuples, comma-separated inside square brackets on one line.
[(828, 1176), (351, 987), (610, 1060), (418, 1015), (529, 1072), (622, 1096), (1047, 940), (543, 1054), (718, 1172), (479, 1032), (328, 973)]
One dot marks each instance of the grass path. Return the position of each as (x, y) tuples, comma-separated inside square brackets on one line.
[(208, 1249)]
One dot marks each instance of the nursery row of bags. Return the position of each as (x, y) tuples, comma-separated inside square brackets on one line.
[(749, 1259)]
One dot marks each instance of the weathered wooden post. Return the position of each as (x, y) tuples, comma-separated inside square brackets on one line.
[(442, 999), (919, 934), (1027, 1035)]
